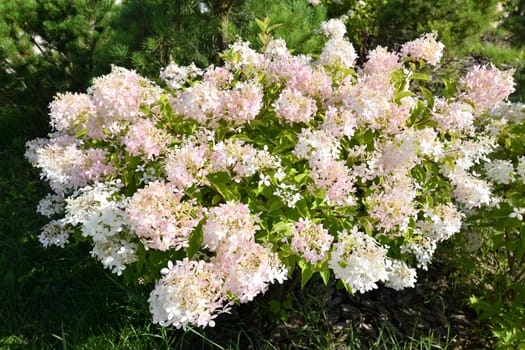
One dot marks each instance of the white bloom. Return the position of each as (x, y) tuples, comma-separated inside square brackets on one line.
[(333, 28), (500, 171), (338, 52), (115, 253), (50, 205), (54, 233), (425, 47), (175, 76), (359, 260), (423, 248), (517, 213), (189, 293), (264, 180), (400, 275)]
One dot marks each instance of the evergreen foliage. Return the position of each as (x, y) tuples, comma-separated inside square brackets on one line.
[(146, 35), (514, 20), (458, 22), (297, 23), (45, 47)]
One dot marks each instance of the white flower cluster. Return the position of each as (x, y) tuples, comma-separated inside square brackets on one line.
[(500, 171), (425, 47), (54, 233), (334, 28), (359, 260), (104, 220), (189, 293), (176, 76)]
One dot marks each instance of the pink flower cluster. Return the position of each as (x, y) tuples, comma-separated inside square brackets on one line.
[(426, 48), (160, 217), (487, 86), (248, 267), (311, 241)]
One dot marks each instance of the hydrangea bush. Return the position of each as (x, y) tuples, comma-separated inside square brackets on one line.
[(228, 179)]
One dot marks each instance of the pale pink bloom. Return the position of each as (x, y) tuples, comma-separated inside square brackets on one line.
[(311, 241), (199, 102), (187, 165), (381, 63), (399, 115), (294, 107), (486, 87), (455, 117), (242, 103), (399, 154), (249, 269), (160, 217), (228, 226), (470, 191), (426, 48), (370, 104), (218, 76), (65, 165), (117, 97), (334, 177), (97, 166), (70, 113), (339, 122), (241, 159), (145, 140), (338, 52), (32, 149), (393, 206), (190, 293), (294, 71), (318, 85)]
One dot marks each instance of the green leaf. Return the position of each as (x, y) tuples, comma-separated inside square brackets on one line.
[(325, 276), (222, 183), (427, 94), (401, 94), (195, 241), (419, 76), (307, 271)]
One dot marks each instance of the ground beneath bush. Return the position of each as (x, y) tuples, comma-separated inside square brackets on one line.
[(321, 315)]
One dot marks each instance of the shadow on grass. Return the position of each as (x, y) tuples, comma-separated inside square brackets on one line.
[(46, 294)]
